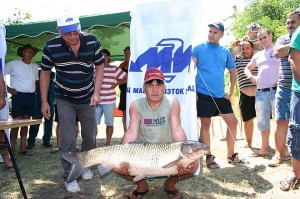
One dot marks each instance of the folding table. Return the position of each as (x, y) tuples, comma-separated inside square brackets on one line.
[(14, 123)]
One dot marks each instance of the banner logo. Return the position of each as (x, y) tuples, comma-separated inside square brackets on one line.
[(168, 54)]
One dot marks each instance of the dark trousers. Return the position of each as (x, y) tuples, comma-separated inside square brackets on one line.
[(34, 129)]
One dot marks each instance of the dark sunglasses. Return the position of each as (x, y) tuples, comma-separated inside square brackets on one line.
[(158, 81)]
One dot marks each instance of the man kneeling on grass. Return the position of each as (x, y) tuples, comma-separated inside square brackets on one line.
[(156, 105)]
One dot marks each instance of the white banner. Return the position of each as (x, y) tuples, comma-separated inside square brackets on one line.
[(4, 113), (162, 36)]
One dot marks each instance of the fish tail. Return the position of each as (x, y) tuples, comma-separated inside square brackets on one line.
[(76, 169)]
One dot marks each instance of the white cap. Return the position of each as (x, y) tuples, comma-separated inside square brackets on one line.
[(68, 23)]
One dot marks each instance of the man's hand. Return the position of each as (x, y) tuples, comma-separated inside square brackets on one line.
[(253, 79), (228, 95), (46, 111), (123, 170), (95, 99), (190, 169), (12, 91)]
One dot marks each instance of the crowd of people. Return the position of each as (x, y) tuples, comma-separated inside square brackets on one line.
[(83, 89)]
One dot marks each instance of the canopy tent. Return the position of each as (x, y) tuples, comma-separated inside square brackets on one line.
[(111, 29)]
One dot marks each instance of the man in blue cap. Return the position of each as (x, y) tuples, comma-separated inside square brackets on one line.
[(79, 65), (211, 60)]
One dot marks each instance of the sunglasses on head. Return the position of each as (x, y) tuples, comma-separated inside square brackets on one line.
[(158, 81)]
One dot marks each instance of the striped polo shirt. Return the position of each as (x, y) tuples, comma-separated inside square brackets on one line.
[(243, 81), (111, 75), (74, 81), (285, 72)]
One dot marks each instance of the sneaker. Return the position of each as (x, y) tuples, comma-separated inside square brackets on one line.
[(73, 187), (87, 174), (30, 146), (47, 144)]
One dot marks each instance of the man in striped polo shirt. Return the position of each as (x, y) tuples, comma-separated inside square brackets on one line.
[(113, 76), (79, 62), (246, 87), (283, 92)]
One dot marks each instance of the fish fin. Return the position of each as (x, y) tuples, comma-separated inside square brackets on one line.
[(138, 178), (70, 157), (103, 170), (173, 163), (76, 168)]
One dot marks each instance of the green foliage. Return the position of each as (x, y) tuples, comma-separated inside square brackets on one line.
[(18, 17), (270, 14)]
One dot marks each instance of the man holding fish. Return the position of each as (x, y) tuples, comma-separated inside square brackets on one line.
[(156, 119), (153, 145)]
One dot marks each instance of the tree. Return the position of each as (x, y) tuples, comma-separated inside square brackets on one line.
[(270, 14), (18, 17)]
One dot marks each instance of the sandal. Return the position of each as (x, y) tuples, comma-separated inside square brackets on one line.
[(26, 153), (289, 183), (287, 158), (275, 161), (213, 164), (9, 167), (173, 194), (256, 155), (234, 159), (136, 193)]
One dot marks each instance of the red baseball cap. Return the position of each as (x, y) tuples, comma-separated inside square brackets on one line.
[(154, 73)]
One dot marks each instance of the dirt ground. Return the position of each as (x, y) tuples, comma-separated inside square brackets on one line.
[(41, 175)]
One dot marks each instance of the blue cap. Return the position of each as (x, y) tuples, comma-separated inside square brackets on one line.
[(218, 25)]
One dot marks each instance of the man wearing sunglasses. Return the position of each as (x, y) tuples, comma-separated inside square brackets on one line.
[(156, 118), (79, 63)]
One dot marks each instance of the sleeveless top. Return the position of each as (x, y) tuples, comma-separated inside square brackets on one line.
[(155, 124)]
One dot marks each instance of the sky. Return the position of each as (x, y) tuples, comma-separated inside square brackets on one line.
[(215, 10)]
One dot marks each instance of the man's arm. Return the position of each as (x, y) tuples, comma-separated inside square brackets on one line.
[(232, 81), (2, 92), (135, 119), (44, 88), (195, 60), (98, 83), (177, 131), (282, 51), (248, 73), (295, 63)]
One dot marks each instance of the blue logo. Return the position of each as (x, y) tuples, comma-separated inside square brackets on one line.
[(70, 19), (168, 54)]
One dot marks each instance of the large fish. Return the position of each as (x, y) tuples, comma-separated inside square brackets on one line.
[(144, 159)]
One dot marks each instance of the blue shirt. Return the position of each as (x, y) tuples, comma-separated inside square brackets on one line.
[(74, 81), (212, 61)]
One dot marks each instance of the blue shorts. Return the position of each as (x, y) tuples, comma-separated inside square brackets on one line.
[(293, 136), (264, 106), (108, 111), (282, 103), (23, 104)]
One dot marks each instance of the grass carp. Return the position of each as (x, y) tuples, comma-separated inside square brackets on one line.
[(144, 159)]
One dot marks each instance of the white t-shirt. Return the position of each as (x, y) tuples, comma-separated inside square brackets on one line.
[(22, 76)]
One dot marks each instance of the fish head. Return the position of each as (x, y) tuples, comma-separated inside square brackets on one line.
[(193, 149)]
